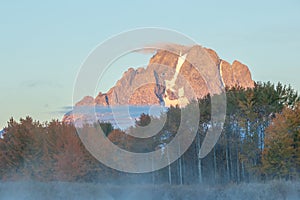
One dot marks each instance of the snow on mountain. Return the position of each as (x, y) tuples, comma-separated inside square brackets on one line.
[(1, 133)]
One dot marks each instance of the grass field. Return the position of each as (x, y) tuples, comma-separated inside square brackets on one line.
[(74, 191)]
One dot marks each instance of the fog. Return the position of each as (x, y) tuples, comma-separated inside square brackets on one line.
[(63, 190)]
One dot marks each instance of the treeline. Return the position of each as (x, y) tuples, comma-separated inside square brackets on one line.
[(260, 141)]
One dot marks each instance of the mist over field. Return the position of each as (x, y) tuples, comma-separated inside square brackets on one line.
[(77, 191)]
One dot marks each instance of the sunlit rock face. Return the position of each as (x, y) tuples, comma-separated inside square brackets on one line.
[(174, 77)]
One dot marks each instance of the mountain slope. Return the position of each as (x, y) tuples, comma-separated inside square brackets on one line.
[(148, 86)]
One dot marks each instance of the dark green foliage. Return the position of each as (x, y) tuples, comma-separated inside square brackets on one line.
[(244, 152), (144, 120), (106, 127)]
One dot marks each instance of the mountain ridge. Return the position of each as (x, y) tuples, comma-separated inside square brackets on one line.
[(137, 86)]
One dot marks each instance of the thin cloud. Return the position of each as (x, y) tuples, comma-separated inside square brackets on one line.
[(152, 49), (40, 83), (62, 110)]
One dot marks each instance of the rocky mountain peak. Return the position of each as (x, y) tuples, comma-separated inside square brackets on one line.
[(171, 77)]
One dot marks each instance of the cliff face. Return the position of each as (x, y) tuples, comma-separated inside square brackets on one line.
[(170, 79)]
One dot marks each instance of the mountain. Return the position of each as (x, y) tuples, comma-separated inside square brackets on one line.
[(149, 86), (170, 78)]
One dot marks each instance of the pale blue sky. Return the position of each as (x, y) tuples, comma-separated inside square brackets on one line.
[(43, 44)]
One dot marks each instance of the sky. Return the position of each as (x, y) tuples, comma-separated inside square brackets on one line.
[(43, 44)]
